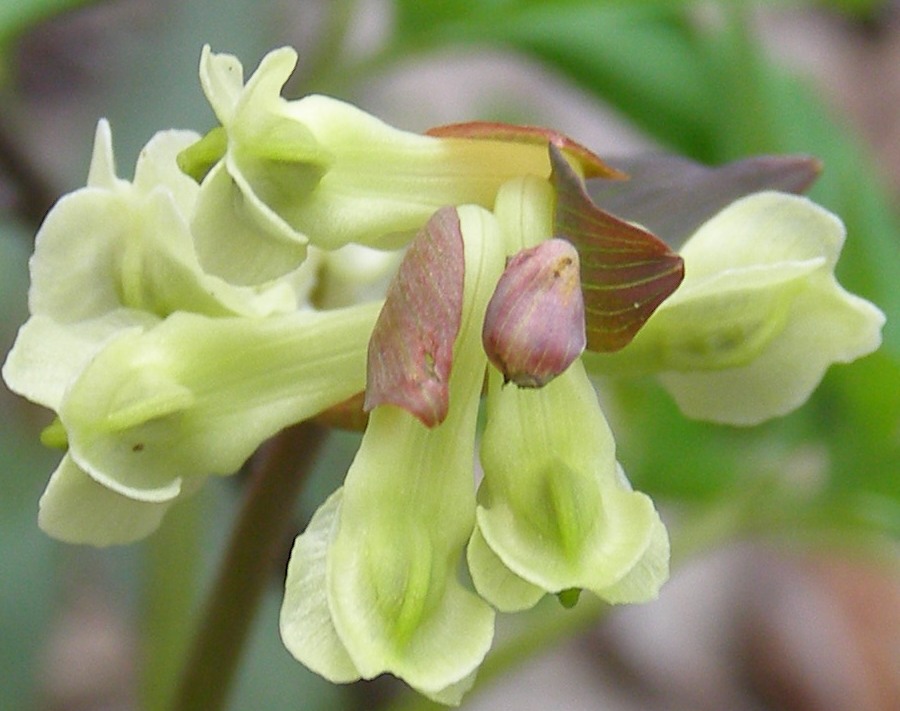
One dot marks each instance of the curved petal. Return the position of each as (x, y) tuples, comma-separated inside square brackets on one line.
[(396, 600), (47, 356), (76, 509), (237, 236), (197, 395), (496, 583), (222, 79), (551, 504), (824, 325), (763, 229), (306, 625), (307, 629), (642, 582), (157, 167)]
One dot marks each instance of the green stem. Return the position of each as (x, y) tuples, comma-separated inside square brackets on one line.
[(250, 559), (172, 557)]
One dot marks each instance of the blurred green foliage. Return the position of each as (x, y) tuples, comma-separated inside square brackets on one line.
[(704, 90)]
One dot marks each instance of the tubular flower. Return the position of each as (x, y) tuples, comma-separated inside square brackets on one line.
[(161, 373), (759, 317), (241, 283), (278, 175), (555, 512), (371, 586)]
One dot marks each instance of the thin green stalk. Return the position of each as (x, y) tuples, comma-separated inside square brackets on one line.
[(171, 559), (247, 567)]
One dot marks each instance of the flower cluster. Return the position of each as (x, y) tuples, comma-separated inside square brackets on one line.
[(238, 284)]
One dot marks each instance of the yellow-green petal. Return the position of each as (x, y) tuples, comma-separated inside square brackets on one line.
[(552, 504), (408, 509), (76, 509), (196, 395), (307, 629), (759, 317)]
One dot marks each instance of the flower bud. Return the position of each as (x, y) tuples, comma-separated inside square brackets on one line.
[(534, 327)]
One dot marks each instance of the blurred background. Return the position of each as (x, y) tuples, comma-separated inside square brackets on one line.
[(789, 597)]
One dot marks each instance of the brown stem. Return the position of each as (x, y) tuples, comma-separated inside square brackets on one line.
[(246, 568)]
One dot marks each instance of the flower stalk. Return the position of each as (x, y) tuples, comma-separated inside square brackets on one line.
[(252, 553)]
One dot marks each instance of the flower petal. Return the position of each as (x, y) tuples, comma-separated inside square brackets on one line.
[(76, 509), (825, 325), (496, 583), (306, 625), (551, 504), (196, 395), (237, 236), (395, 597), (102, 172), (222, 79), (47, 356), (305, 621)]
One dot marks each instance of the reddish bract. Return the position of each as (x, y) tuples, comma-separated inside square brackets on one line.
[(411, 349)]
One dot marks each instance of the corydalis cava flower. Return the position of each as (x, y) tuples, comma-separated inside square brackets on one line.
[(554, 512), (278, 175), (760, 316), (125, 344), (372, 585), (193, 338), (140, 289), (111, 258)]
